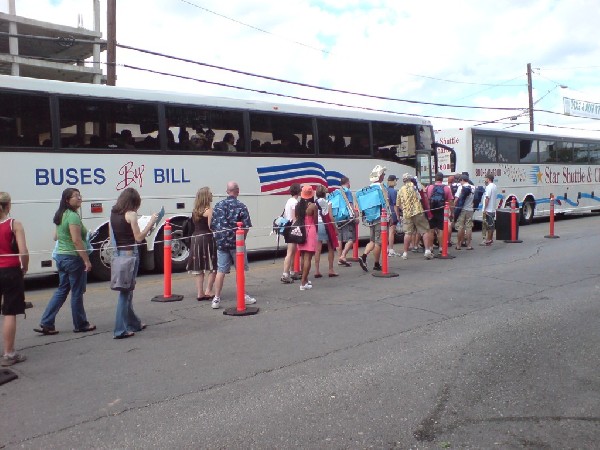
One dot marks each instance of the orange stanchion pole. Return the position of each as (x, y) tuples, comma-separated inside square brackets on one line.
[(167, 268), (384, 244), (240, 276), (384, 241), (297, 261), (445, 254), (551, 235), (513, 223)]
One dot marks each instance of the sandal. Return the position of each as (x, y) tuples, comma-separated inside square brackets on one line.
[(318, 275), (469, 248), (344, 263), (125, 335), (89, 327), (46, 331), (457, 248), (331, 275)]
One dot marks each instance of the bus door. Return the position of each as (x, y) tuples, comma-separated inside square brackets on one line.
[(425, 167)]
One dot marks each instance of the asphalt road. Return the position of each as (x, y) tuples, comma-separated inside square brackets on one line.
[(497, 348)]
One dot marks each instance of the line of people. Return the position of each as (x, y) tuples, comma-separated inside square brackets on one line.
[(213, 243), (419, 211)]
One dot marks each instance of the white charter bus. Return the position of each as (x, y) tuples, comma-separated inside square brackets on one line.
[(528, 167), (102, 139)]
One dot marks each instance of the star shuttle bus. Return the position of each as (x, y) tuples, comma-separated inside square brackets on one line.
[(103, 139), (528, 167)]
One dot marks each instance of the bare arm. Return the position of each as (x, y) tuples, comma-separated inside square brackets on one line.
[(131, 218), (22, 244), (75, 231)]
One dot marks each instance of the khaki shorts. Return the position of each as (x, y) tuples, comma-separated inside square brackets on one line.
[(415, 224), (465, 221), (375, 233)]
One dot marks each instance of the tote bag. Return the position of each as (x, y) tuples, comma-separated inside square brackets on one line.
[(297, 233), (122, 273)]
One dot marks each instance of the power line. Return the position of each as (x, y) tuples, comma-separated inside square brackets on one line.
[(254, 28), (320, 49), (312, 86)]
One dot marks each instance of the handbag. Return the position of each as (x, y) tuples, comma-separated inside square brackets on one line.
[(297, 233), (122, 273)]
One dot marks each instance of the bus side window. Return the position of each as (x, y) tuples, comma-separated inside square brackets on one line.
[(200, 129), (343, 137), (24, 120), (108, 124), (280, 133)]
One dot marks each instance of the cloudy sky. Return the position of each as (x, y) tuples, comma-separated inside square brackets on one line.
[(461, 52)]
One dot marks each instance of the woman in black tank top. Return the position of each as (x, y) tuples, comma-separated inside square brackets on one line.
[(126, 231)]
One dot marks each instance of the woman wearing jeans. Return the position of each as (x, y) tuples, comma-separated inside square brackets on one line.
[(72, 262), (126, 233)]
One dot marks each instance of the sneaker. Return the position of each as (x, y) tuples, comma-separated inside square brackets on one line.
[(287, 280), (216, 303), (6, 360), (377, 267), (363, 262), (249, 300), (391, 253), (296, 276), (305, 287), (428, 254), (404, 255)]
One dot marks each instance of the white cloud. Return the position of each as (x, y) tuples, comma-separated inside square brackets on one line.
[(374, 47)]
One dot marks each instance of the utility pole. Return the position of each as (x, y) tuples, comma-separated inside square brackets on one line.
[(111, 44), (530, 92)]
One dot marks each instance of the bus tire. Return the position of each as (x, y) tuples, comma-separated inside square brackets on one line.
[(180, 252), (527, 211), (101, 256)]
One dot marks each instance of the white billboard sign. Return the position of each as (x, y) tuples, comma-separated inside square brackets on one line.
[(581, 108)]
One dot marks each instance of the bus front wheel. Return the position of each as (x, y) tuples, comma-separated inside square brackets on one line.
[(101, 256)]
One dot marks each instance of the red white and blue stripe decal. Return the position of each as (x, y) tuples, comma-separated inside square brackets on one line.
[(278, 179)]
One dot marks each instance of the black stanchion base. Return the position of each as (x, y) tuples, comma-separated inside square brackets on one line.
[(163, 299), (440, 256), (7, 375), (249, 311), (551, 236), (384, 275), (516, 241)]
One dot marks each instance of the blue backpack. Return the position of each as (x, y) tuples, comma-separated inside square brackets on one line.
[(339, 207), (477, 196), (370, 201), (438, 198)]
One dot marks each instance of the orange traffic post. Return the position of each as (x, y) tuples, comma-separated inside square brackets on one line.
[(297, 269), (240, 276), (552, 235), (167, 295), (444, 244), (513, 223), (384, 244)]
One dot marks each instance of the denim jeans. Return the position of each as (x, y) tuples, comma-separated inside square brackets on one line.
[(72, 278), (126, 319)]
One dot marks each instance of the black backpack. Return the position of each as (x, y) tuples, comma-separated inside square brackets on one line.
[(460, 203), (438, 198), (477, 196)]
